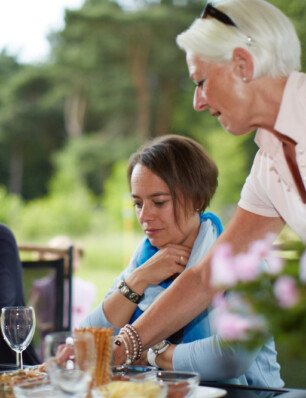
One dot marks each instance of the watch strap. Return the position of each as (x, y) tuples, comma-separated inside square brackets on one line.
[(151, 356), (156, 350)]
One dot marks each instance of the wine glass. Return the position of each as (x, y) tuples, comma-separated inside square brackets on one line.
[(70, 361), (18, 327)]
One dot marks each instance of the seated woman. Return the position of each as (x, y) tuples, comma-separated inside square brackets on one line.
[(172, 180)]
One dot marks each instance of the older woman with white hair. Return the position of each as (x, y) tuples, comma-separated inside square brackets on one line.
[(244, 57)]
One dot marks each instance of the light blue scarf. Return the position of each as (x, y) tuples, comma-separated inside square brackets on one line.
[(210, 229), (199, 327)]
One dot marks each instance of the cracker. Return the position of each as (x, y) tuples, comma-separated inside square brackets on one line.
[(103, 342)]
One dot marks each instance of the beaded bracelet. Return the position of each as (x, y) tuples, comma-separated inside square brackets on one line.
[(132, 341), (129, 336), (140, 348), (118, 341)]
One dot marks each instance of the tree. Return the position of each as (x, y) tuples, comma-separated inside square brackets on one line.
[(30, 130), (124, 66)]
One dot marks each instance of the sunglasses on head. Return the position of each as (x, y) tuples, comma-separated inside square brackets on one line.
[(211, 11)]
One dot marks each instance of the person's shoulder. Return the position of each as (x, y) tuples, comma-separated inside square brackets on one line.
[(6, 233)]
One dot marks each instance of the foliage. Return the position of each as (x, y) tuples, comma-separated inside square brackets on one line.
[(263, 297), (30, 131), (113, 80), (117, 201), (232, 160), (296, 11), (67, 214), (87, 161), (10, 207)]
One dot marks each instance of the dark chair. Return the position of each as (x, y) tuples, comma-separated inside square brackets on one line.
[(36, 269), (62, 269), (47, 280)]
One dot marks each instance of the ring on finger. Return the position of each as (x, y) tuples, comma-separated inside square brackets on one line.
[(181, 260)]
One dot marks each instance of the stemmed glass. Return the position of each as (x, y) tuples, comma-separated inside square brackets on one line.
[(70, 361), (18, 327)]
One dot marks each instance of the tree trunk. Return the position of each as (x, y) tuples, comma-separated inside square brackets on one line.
[(137, 59), (16, 173), (74, 114), (164, 109)]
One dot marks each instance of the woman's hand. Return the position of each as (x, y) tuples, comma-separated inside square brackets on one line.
[(64, 353), (164, 360), (142, 360), (168, 262), (119, 355)]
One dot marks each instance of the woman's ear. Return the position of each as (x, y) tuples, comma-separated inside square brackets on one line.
[(243, 64)]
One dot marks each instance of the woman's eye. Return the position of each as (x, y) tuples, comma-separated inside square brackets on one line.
[(137, 205), (159, 203), (200, 84)]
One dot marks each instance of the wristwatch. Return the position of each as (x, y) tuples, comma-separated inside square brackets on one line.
[(156, 350)]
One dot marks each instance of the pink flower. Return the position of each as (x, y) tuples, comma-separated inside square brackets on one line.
[(231, 326), (285, 291), (219, 300), (247, 266), (303, 267), (275, 263), (262, 247), (222, 267)]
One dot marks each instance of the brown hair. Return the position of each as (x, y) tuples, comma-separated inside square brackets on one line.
[(183, 164)]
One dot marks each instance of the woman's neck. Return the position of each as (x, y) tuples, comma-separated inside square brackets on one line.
[(268, 94), (191, 237)]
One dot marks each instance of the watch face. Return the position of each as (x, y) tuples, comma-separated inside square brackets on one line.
[(160, 345)]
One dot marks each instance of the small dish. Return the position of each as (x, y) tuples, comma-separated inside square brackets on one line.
[(180, 384), (133, 372)]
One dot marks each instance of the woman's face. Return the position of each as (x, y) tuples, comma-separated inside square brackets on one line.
[(155, 212), (221, 89)]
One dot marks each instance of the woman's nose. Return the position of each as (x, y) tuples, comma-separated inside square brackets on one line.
[(199, 99), (145, 214)]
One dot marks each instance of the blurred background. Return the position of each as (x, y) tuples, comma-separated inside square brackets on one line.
[(107, 78)]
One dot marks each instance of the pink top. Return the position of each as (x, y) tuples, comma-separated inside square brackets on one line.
[(269, 189)]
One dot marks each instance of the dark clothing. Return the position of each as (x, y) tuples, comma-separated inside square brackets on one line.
[(11, 292)]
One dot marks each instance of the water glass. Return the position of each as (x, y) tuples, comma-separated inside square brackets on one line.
[(18, 327), (70, 361)]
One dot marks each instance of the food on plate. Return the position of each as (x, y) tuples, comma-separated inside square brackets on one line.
[(121, 389), (9, 379)]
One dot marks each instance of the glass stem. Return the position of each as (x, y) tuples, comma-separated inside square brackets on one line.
[(21, 361), (17, 360)]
